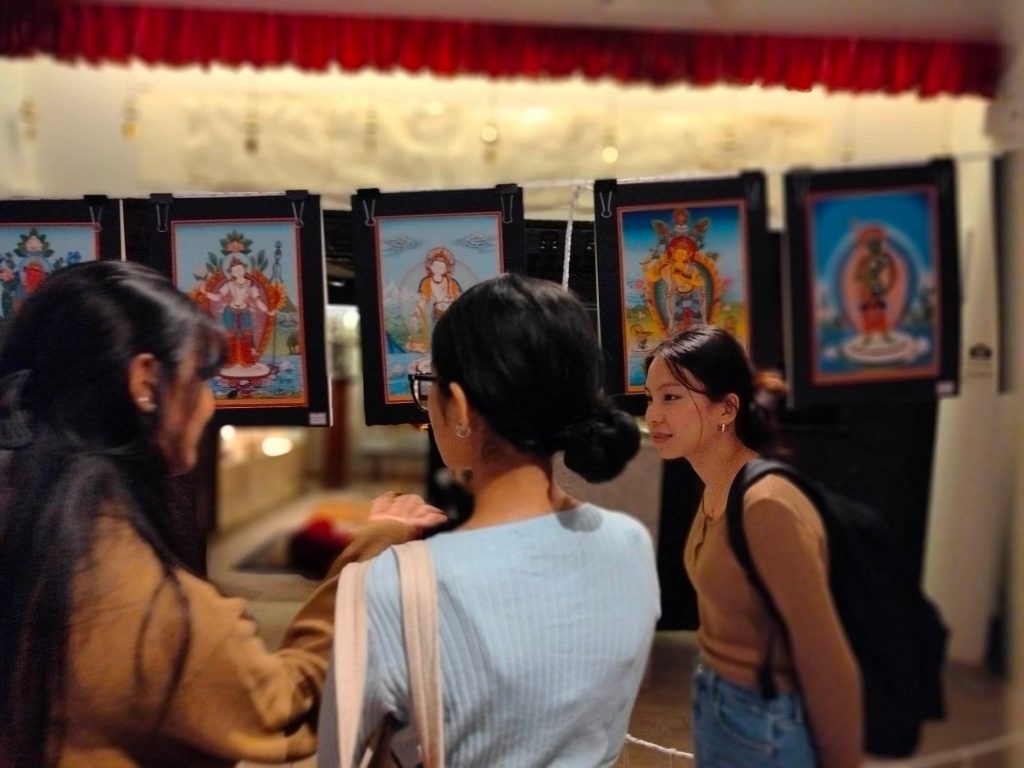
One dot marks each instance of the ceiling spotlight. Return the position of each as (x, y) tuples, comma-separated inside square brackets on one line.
[(489, 133), (610, 154)]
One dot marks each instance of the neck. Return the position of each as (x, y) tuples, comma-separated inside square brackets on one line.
[(717, 467), (517, 488)]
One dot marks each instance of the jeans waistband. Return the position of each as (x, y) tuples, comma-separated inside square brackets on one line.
[(786, 704)]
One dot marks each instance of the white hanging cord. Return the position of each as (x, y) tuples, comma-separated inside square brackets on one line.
[(705, 174), (568, 236)]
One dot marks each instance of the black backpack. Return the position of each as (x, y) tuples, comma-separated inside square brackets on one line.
[(896, 634)]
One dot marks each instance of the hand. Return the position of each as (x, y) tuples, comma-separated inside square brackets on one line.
[(407, 508)]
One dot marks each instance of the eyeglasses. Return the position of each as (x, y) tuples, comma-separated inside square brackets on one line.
[(421, 385)]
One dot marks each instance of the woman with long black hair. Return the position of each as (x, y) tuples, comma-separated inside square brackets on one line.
[(112, 653)]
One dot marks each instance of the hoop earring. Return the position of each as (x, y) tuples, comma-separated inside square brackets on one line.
[(462, 430)]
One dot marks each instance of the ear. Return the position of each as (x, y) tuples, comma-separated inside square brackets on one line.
[(458, 410), (730, 408), (143, 375)]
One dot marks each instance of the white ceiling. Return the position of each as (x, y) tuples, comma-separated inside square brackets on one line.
[(945, 19)]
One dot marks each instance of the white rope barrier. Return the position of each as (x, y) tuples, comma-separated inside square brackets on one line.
[(658, 748), (957, 756)]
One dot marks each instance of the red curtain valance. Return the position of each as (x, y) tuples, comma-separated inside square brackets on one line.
[(177, 36)]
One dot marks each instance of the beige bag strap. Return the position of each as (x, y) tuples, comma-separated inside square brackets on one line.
[(350, 656), (419, 620)]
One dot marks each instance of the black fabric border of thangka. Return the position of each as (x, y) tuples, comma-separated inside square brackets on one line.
[(367, 205), (148, 239), (938, 175), (610, 196)]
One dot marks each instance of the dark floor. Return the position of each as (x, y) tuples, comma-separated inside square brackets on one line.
[(975, 701)]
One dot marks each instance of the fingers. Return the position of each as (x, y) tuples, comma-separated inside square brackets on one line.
[(407, 508)]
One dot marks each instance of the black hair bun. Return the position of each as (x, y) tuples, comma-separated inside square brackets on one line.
[(597, 449)]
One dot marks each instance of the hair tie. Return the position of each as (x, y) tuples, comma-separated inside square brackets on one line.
[(14, 421)]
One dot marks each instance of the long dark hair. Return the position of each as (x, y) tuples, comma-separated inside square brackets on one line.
[(719, 365), (526, 354), (73, 443)]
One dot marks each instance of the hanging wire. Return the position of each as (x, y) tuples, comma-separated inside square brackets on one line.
[(567, 257)]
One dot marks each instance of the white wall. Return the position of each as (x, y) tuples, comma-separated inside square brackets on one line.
[(969, 509), (1008, 127)]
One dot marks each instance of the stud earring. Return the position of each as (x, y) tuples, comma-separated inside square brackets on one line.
[(462, 430)]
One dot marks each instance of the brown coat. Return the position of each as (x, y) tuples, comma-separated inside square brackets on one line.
[(235, 700)]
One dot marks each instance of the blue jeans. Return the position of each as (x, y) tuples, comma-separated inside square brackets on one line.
[(733, 727)]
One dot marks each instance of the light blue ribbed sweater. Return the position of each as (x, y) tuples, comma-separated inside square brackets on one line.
[(545, 629)]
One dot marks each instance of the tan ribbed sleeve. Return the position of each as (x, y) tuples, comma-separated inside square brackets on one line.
[(788, 547), (235, 700)]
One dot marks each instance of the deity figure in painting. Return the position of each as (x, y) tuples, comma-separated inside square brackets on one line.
[(240, 296), (686, 294), (436, 291), (875, 273), (24, 268)]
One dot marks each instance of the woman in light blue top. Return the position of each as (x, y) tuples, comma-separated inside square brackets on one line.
[(547, 606)]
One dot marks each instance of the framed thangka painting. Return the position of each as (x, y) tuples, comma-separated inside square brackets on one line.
[(874, 284), (672, 255), (39, 237), (255, 265), (415, 253)]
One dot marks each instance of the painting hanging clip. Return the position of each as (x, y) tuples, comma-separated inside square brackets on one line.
[(605, 188), (368, 197), (297, 197), (95, 204), (162, 202), (507, 193)]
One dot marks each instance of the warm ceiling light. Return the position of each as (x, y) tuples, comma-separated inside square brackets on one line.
[(610, 154), (489, 133)]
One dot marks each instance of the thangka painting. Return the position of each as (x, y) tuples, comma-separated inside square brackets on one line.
[(418, 252), (672, 256), (260, 278), (39, 237), (874, 284)]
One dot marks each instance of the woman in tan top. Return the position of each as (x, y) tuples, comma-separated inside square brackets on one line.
[(112, 653), (708, 406)]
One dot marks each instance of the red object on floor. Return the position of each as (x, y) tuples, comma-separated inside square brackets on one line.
[(316, 545)]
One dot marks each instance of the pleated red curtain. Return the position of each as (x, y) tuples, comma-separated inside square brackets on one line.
[(94, 32)]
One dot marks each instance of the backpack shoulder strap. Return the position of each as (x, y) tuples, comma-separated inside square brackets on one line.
[(750, 473), (422, 652)]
